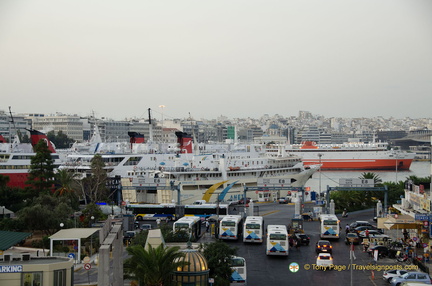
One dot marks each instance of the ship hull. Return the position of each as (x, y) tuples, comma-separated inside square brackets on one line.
[(361, 164)]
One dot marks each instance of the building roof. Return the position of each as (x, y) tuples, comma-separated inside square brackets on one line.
[(11, 238), (73, 233)]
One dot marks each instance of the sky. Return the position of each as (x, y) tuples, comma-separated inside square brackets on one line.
[(237, 58)]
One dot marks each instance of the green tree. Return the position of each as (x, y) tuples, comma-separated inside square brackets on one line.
[(152, 267), (61, 140), (94, 187), (92, 210), (41, 173), (45, 213), (218, 255), (66, 185)]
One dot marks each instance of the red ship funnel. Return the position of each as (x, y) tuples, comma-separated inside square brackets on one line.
[(36, 136), (135, 137), (2, 139), (185, 142)]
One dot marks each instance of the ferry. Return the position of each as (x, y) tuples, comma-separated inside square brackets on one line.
[(350, 156), (195, 170), (15, 158)]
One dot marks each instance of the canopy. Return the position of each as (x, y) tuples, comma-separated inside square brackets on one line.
[(11, 238), (73, 233), (399, 222)]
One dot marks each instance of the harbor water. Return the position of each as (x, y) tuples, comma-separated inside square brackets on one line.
[(322, 180)]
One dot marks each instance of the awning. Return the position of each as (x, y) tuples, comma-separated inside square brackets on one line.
[(399, 222), (11, 238), (73, 233)]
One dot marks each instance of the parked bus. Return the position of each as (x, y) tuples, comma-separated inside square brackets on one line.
[(231, 227), (191, 225), (253, 229), (277, 240), (329, 226), (204, 211), (150, 211), (238, 276)]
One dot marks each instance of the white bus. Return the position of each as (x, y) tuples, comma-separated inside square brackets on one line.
[(277, 240), (253, 229), (329, 226), (238, 276), (190, 224), (230, 227)]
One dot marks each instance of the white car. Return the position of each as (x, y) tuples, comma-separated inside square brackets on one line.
[(324, 260), (388, 275), (373, 233)]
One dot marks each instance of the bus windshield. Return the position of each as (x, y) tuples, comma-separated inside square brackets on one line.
[(253, 226), (330, 222), (182, 225), (277, 236), (228, 223), (237, 262)]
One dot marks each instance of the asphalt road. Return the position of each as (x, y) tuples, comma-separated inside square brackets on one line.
[(263, 270), (270, 270)]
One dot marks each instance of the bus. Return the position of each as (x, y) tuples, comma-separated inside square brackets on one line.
[(253, 229), (277, 240), (238, 267), (204, 211), (231, 227), (192, 225), (329, 226), (150, 211)]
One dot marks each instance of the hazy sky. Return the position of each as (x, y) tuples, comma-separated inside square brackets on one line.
[(340, 58)]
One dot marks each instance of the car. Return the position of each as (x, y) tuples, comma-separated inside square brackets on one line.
[(324, 260), (388, 275), (128, 236), (242, 201), (323, 246), (383, 251), (145, 226), (283, 201), (373, 233), (358, 223), (302, 238), (411, 276), (352, 237), (363, 228)]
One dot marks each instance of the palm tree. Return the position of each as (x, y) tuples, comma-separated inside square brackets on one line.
[(154, 266)]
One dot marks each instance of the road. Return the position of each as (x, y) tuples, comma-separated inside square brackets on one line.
[(263, 270), (269, 270)]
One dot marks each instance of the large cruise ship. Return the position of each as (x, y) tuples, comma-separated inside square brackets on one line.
[(195, 170), (351, 156)]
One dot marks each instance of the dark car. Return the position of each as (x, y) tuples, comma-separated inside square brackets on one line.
[(358, 223), (302, 238), (352, 237), (323, 246), (242, 201), (383, 251)]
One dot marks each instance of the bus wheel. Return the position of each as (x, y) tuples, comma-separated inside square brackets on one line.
[(140, 218)]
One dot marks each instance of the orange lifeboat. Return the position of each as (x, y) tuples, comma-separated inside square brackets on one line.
[(234, 168)]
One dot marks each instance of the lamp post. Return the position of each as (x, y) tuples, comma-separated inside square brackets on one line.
[(319, 157), (91, 237)]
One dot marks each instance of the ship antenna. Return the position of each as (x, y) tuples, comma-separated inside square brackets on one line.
[(13, 123)]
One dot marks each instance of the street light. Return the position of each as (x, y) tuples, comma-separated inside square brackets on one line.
[(91, 238), (319, 156)]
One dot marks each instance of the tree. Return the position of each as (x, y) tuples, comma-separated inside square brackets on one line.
[(45, 213), (94, 187), (61, 140), (41, 174), (152, 267), (65, 182), (218, 255)]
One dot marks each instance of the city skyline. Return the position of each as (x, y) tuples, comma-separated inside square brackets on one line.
[(237, 59)]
